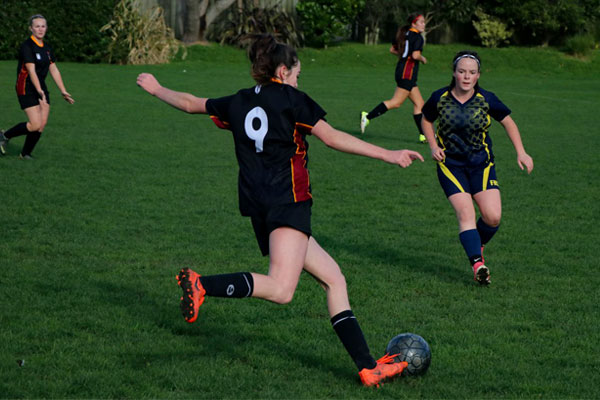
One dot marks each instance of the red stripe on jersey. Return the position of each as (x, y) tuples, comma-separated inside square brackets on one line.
[(219, 123), (300, 178), (21, 80), (409, 67)]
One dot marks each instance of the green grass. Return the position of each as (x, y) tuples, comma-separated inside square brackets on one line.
[(126, 190)]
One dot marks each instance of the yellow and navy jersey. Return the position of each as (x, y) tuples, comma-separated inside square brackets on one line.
[(408, 66), (41, 55), (269, 125), (462, 129)]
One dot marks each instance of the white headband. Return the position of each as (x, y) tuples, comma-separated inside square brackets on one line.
[(467, 56)]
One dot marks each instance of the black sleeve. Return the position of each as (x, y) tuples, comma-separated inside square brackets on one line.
[(218, 109), (416, 43), (27, 54), (307, 112)]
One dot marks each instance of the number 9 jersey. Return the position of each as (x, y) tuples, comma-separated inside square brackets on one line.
[(269, 125)]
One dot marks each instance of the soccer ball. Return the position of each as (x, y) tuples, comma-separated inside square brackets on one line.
[(413, 349)]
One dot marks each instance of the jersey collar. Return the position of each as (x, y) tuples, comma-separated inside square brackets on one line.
[(414, 30), (36, 41), (276, 80)]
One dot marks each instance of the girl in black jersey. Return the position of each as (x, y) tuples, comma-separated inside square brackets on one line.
[(408, 46), (36, 59), (463, 151), (269, 124)]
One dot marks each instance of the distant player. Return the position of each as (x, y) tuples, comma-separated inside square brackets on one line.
[(269, 123), (463, 151), (408, 46), (36, 58)]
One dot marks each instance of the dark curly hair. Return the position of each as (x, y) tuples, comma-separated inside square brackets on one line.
[(266, 54)]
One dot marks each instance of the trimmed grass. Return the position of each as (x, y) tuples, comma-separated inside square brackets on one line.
[(125, 190)]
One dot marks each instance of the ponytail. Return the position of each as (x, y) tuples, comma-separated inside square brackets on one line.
[(401, 33), (266, 55)]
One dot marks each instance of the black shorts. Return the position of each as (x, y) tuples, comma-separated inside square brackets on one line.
[(31, 98), (407, 84), (467, 179), (294, 215)]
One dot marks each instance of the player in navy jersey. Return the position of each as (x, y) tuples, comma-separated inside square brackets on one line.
[(269, 123), (408, 46), (36, 59), (463, 151)]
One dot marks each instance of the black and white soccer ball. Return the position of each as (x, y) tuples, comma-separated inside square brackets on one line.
[(413, 349)]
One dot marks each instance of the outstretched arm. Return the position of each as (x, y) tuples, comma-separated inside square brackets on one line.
[(523, 159), (59, 82), (180, 100), (346, 143)]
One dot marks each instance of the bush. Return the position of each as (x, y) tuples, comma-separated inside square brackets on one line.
[(73, 27), (492, 32), (137, 38), (238, 23), (325, 20), (580, 45)]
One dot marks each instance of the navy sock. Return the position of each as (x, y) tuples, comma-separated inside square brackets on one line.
[(347, 328), (380, 109), (472, 244), (486, 232), (418, 118), (17, 130), (239, 284)]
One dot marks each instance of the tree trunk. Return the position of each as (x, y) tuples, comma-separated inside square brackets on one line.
[(191, 28), (200, 14)]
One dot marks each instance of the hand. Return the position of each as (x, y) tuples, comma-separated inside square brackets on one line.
[(423, 60), (42, 97), (404, 158), (525, 161), (148, 82), (437, 153), (67, 97)]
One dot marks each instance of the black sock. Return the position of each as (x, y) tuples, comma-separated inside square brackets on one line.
[(418, 118), (239, 284), (17, 130), (347, 328), (377, 111), (30, 142)]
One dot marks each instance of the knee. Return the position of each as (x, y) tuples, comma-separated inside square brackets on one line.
[(392, 104), (35, 126), (338, 281), (492, 219), (283, 295)]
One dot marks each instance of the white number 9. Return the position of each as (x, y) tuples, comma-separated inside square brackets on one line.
[(258, 135)]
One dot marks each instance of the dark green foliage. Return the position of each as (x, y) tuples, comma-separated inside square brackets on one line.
[(324, 21), (238, 23), (580, 45), (73, 27)]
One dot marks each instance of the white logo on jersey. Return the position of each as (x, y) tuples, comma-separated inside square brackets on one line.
[(230, 290), (258, 135), (38, 56), (257, 89)]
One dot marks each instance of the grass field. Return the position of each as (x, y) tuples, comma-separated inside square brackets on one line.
[(126, 190)]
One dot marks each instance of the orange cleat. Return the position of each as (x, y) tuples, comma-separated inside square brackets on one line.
[(386, 368), (481, 273), (193, 294)]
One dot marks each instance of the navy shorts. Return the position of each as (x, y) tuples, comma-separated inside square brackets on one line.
[(32, 99), (467, 179), (294, 215)]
